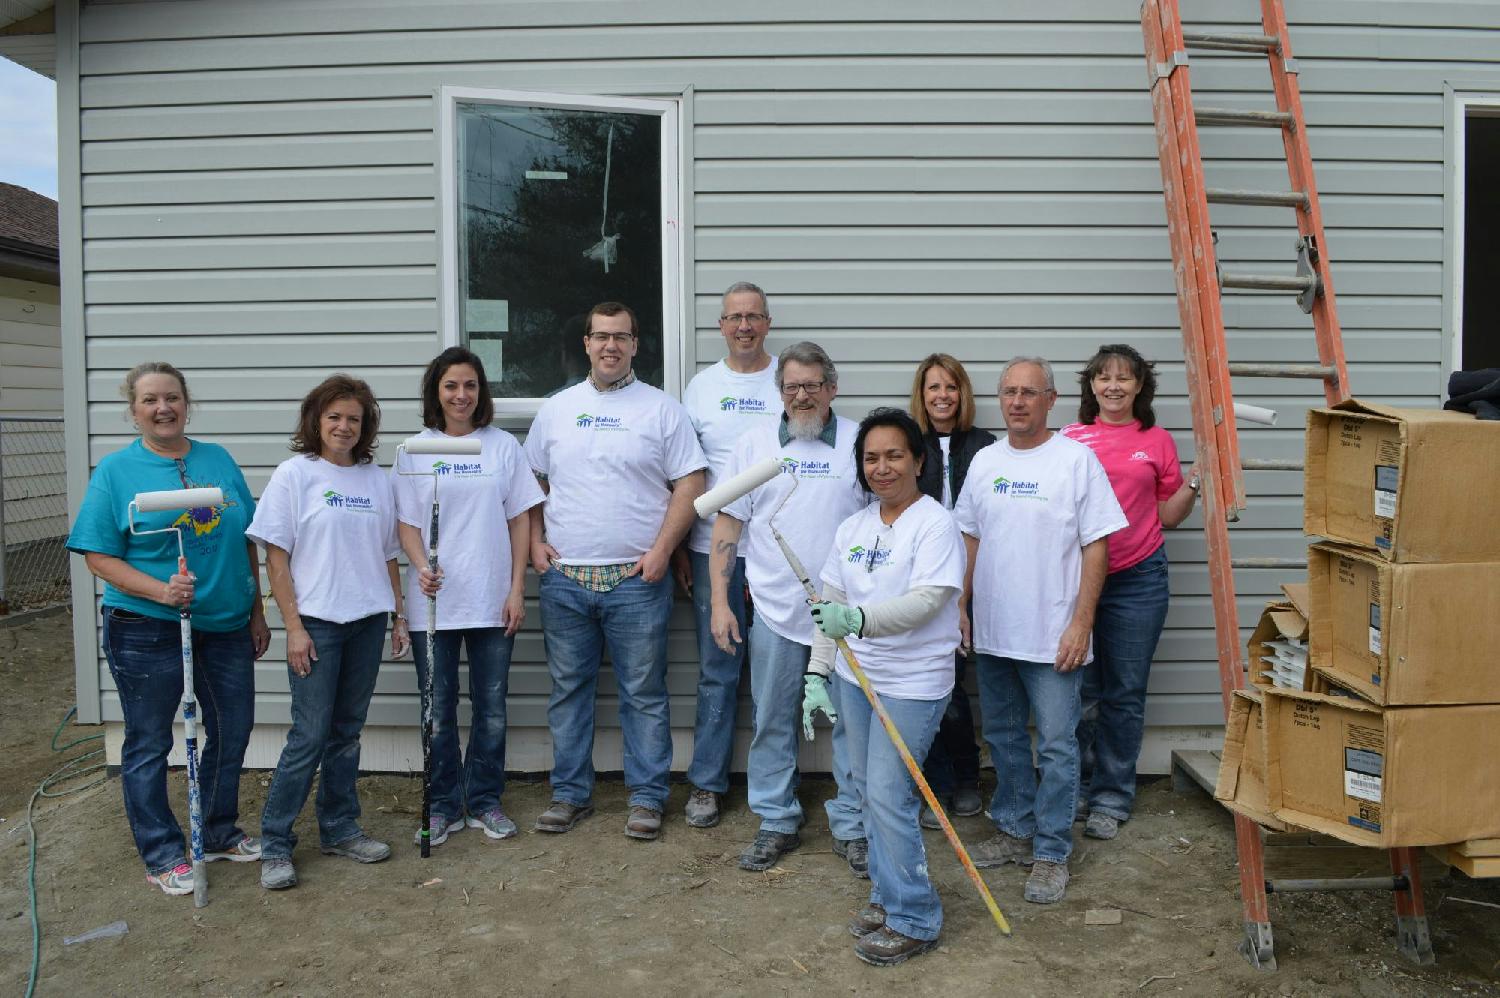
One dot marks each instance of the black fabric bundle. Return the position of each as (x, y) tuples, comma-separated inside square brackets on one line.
[(1476, 392)]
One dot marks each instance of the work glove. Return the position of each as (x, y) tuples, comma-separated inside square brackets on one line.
[(815, 698), (837, 620)]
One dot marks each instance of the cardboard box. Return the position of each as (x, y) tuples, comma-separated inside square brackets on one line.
[(1415, 485), (1404, 634), (1382, 776), (1285, 622), (1242, 766)]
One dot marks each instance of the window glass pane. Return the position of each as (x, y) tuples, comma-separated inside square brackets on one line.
[(558, 211)]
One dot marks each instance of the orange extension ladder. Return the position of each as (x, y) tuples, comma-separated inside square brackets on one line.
[(1200, 282)]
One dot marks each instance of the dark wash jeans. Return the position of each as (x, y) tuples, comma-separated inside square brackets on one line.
[(476, 779), (145, 658)]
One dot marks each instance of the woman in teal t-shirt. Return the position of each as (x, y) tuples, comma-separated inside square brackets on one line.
[(142, 637)]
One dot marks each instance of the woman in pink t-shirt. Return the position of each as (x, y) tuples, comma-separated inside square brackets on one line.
[(1116, 421)]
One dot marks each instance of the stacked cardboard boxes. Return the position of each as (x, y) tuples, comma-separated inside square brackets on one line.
[(1394, 737)]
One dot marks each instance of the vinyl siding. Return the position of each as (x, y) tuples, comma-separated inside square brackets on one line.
[(259, 206)]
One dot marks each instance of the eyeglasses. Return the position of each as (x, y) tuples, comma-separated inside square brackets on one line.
[(811, 387), (753, 318), (620, 338), (1029, 394)]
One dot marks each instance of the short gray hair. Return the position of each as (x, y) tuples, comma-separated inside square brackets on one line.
[(739, 287), (807, 352), (1038, 361)]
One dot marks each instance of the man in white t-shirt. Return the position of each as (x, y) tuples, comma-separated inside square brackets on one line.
[(723, 401), (1036, 511), (816, 451), (621, 466)]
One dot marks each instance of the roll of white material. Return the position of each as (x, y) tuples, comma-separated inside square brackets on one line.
[(458, 446), (151, 502), (1254, 414), (726, 492)]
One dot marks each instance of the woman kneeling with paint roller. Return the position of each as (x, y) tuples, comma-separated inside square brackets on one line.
[(892, 582), (484, 540), (327, 519), (145, 590)]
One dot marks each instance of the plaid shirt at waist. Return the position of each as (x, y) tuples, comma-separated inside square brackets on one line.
[(597, 578)]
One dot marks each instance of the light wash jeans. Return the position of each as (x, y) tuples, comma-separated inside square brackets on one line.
[(718, 681), (476, 780)]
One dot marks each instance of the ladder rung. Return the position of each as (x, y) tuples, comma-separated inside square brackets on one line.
[(1268, 282), (1232, 43), (1229, 195), (1268, 562), (1269, 464), (1317, 372), (1228, 116)]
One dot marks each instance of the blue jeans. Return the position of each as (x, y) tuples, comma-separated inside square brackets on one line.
[(953, 760), (328, 712), (898, 859), (478, 780), (145, 657), (777, 666), (1009, 691), (718, 681), (1127, 626), (577, 625)]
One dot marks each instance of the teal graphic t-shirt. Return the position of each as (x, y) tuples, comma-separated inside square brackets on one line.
[(213, 537)]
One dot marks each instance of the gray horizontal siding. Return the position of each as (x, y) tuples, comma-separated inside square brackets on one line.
[(259, 205)]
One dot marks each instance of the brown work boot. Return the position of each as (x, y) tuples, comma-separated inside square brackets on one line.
[(1047, 883), (885, 947), (644, 823), (1000, 849), (702, 809), (561, 816), (867, 920)]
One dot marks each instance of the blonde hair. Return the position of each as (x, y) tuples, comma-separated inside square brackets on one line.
[(966, 407), (139, 371)]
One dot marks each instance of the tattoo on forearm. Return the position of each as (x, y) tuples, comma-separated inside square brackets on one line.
[(731, 549)]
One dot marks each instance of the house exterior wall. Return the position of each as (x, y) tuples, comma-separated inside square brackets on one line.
[(31, 386), (257, 201)]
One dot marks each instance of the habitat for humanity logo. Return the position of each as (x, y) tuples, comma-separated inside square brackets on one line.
[(458, 469), (806, 469), (340, 501), (855, 554), (584, 421), (1018, 490), (730, 403), (872, 557)]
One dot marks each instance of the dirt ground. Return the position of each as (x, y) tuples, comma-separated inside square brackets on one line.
[(593, 913)]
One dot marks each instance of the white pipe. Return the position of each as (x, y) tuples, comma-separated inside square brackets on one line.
[(459, 446), (1254, 414), (726, 492), (151, 502)]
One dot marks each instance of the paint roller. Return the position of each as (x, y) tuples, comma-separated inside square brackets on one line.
[(456, 446), (744, 483), (155, 502)]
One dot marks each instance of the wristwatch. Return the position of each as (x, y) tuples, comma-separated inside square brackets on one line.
[(1194, 483)]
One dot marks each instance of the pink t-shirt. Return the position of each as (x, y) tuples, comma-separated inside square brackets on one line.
[(1143, 470)]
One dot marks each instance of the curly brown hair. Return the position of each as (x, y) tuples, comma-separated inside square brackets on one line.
[(307, 438), (1144, 371)]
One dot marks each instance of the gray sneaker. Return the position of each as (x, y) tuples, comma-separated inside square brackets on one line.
[(277, 873), (438, 829), (1101, 826), (702, 810), (246, 850), (1001, 849), (360, 848), (1047, 883), (494, 822)]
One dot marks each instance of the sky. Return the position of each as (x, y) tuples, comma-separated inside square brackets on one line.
[(28, 129)]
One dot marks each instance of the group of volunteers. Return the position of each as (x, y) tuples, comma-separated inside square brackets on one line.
[(1035, 560)]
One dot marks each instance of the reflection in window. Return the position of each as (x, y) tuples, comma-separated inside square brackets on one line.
[(560, 210)]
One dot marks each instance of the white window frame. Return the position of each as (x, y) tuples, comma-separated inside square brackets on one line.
[(669, 110), (1463, 104)]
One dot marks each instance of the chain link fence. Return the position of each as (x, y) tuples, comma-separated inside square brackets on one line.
[(33, 515)]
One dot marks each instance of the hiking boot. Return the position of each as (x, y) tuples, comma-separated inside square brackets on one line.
[(1047, 883), (767, 848), (1101, 826), (277, 873), (929, 818), (857, 853), (643, 823), (494, 822), (868, 919), (885, 947), (360, 848), (246, 850), (561, 816), (438, 828), (1000, 849), (176, 881), (702, 810), (966, 802)]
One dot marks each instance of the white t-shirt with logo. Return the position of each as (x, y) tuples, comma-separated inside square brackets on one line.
[(339, 526), (1033, 512), (609, 459), (478, 495), (723, 404), (827, 491), (873, 562)]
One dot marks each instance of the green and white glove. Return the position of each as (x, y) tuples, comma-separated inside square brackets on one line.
[(837, 620), (815, 698)]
